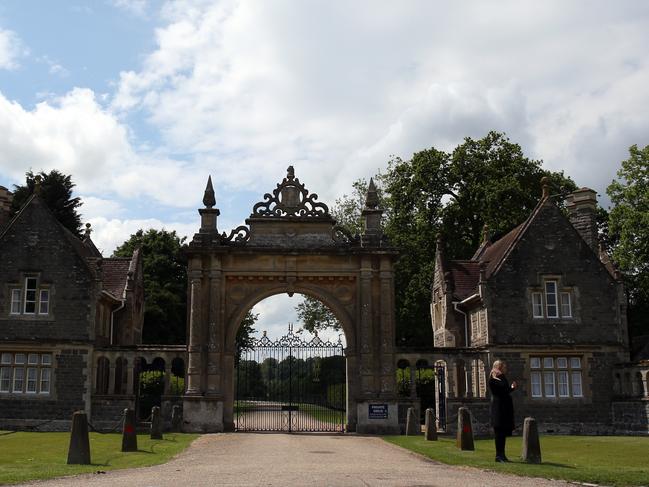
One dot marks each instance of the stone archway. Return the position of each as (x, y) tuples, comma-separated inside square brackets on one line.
[(291, 244)]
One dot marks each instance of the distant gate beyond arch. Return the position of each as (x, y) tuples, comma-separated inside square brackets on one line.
[(291, 244)]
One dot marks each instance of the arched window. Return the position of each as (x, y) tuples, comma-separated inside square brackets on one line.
[(103, 373)]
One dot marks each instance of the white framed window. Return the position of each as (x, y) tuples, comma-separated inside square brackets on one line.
[(576, 384), (551, 308), (44, 302), (548, 384), (32, 375), (45, 381), (25, 372), (562, 383), (5, 379), (30, 296), (566, 307), (19, 380), (537, 305), (536, 384), (553, 377), (16, 301)]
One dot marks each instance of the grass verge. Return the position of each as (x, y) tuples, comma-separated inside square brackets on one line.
[(606, 460), (31, 456)]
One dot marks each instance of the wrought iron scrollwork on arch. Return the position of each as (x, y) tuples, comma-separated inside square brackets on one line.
[(294, 340), (290, 199)]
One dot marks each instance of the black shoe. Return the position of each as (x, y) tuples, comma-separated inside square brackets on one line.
[(500, 460)]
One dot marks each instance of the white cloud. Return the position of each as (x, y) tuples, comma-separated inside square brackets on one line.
[(76, 135), (336, 88), (11, 49), (109, 233), (135, 7)]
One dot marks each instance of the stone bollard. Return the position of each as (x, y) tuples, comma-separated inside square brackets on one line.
[(156, 423), (129, 435), (431, 428), (412, 423), (176, 419), (464, 430), (79, 450), (531, 452)]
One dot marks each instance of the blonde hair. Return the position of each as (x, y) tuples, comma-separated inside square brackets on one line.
[(496, 368)]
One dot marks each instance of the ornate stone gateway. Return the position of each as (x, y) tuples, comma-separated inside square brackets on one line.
[(291, 244)]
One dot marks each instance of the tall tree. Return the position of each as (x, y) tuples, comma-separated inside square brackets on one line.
[(244, 338), (56, 191), (165, 284), (629, 224), (486, 181)]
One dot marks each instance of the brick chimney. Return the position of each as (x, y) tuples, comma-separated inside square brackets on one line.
[(582, 210), (6, 198)]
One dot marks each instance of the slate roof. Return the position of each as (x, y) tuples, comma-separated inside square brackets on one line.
[(115, 275), (465, 275)]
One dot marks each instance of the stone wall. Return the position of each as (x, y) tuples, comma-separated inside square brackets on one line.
[(51, 412), (631, 416)]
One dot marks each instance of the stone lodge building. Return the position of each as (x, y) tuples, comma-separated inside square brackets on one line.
[(546, 299), (70, 323)]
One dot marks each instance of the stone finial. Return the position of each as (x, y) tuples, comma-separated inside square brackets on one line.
[(37, 184), (208, 198), (372, 196), (485, 233), (290, 173), (545, 185), (88, 231)]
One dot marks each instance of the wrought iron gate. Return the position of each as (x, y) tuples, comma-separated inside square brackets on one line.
[(291, 384)]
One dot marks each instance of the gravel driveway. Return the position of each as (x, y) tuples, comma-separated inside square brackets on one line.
[(250, 459)]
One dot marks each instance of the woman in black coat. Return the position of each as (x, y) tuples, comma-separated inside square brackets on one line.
[(502, 408)]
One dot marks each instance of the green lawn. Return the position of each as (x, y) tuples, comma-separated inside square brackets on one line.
[(30, 456), (607, 460), (324, 414)]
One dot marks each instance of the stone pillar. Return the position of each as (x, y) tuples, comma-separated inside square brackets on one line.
[(413, 383), (228, 392), (156, 423), (412, 423), (351, 361), (79, 449), (645, 383), (167, 378), (367, 369), (194, 348), (176, 418), (468, 374), (130, 375), (129, 434), (531, 452), (464, 438), (215, 329), (431, 429)]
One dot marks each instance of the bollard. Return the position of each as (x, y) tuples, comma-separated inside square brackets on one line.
[(431, 428), (464, 430), (531, 452), (129, 435), (156, 423), (412, 423), (176, 418), (79, 450)]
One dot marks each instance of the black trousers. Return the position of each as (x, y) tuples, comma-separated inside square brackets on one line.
[(500, 437)]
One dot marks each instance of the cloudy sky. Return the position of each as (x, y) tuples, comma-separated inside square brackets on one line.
[(140, 100)]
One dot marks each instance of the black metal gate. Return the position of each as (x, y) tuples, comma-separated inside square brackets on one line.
[(291, 384)]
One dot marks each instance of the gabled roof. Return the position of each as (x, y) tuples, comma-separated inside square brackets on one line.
[(115, 275), (465, 275)]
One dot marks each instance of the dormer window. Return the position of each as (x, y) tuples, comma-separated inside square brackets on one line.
[(31, 299), (551, 301)]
